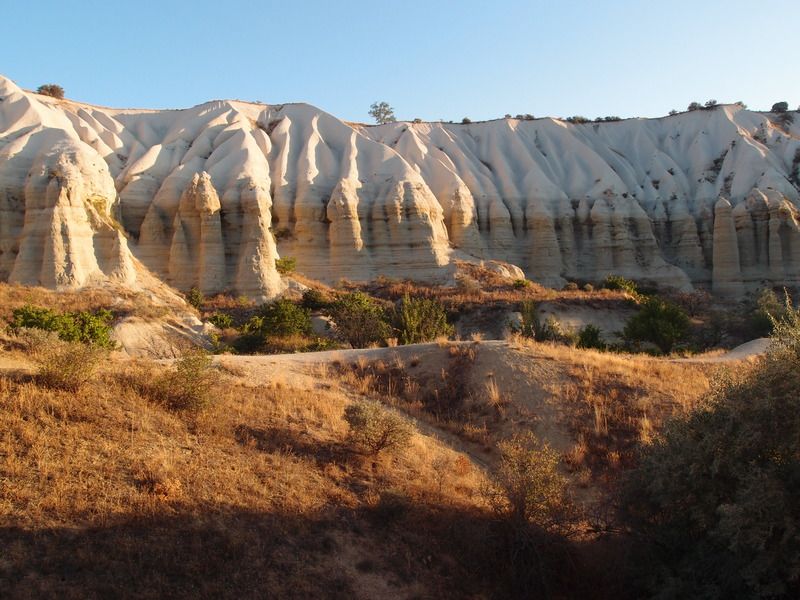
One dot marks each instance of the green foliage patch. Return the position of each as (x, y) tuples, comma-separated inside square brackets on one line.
[(82, 326)]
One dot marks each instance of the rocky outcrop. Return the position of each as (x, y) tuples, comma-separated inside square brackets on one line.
[(211, 196)]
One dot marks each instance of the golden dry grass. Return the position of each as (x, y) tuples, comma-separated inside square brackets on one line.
[(105, 493), (614, 402), (121, 301), (478, 286)]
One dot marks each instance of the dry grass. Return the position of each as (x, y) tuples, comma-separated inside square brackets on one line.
[(614, 402), (106, 494), (121, 301), (479, 286)]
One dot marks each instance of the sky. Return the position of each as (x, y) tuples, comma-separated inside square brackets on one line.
[(429, 59)]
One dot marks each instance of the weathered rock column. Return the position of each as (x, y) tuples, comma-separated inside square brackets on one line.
[(726, 276)]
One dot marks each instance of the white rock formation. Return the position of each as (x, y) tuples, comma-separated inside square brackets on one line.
[(210, 196)]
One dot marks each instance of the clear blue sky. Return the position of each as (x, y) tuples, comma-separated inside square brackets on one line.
[(429, 59)]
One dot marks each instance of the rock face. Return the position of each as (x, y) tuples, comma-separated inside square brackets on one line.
[(210, 196)]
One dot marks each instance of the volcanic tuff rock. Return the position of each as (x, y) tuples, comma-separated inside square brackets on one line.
[(210, 196)]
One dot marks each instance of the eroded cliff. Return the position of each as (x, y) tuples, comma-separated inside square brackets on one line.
[(210, 196)]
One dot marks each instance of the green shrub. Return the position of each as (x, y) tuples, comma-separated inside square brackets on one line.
[(588, 287), (589, 337), (420, 320), (285, 265), (314, 299), (359, 319), (280, 318), (715, 498), (616, 282), (189, 387), (373, 428), (571, 286), (221, 320), (88, 328), (521, 284), (659, 322), (195, 298)]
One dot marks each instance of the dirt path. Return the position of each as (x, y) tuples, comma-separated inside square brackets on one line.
[(746, 351)]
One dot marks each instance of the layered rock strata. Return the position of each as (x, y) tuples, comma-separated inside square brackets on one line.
[(211, 196)]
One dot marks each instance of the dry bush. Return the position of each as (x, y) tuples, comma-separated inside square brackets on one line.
[(373, 428), (61, 365), (190, 386), (527, 486)]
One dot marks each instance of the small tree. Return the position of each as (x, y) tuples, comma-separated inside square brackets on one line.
[(373, 428), (780, 107), (659, 322), (382, 113), (466, 121), (694, 106), (359, 319), (51, 89), (711, 103), (420, 320)]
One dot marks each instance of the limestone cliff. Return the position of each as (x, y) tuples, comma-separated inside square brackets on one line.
[(210, 196)]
